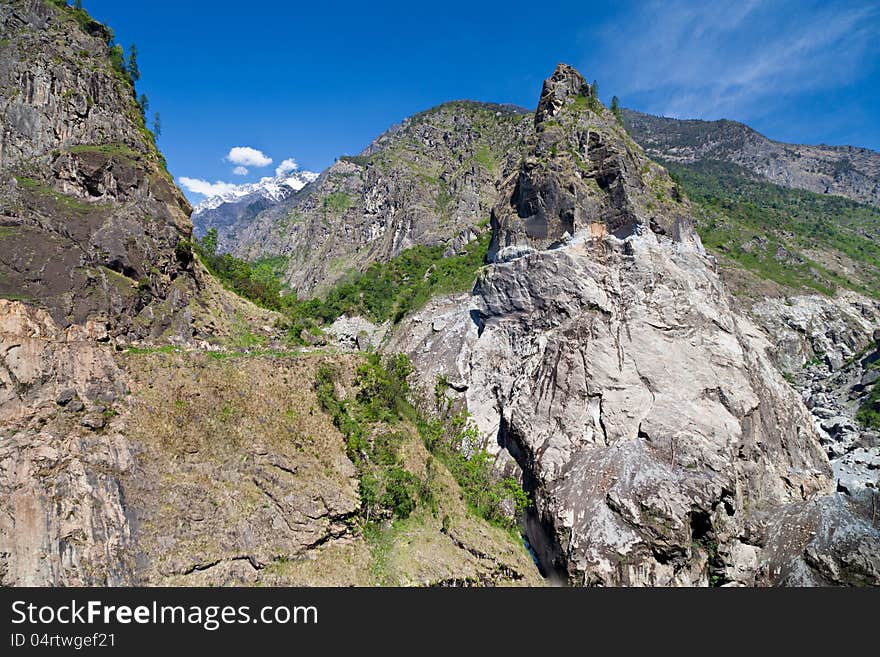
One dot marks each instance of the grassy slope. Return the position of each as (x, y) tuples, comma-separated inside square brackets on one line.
[(797, 239)]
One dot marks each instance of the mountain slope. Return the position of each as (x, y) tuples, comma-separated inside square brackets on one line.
[(430, 181), (798, 240), (95, 218), (843, 170), (154, 428)]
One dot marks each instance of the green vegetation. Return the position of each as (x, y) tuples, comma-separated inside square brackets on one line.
[(118, 149), (869, 412), (63, 201), (337, 202), (257, 282), (117, 61), (486, 159), (385, 291), (372, 423), (615, 109), (360, 160), (133, 70), (793, 237), (392, 289)]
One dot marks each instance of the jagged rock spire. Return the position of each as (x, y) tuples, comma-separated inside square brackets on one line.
[(565, 83)]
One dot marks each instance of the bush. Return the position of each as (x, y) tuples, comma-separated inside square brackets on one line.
[(398, 495), (385, 291), (258, 282), (386, 488)]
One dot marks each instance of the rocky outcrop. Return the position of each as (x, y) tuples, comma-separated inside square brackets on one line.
[(100, 232), (827, 541), (582, 173), (829, 351), (656, 435), (844, 170), (430, 181), (62, 518)]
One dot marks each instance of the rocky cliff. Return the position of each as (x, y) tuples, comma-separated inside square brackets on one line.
[(431, 180), (100, 231), (601, 352), (845, 170), (145, 435)]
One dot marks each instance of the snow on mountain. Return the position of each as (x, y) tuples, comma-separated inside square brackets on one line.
[(269, 188)]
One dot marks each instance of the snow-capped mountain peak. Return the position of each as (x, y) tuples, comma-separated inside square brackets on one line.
[(272, 188)]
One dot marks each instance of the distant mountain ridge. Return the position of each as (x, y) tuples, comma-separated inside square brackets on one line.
[(431, 180), (225, 209), (848, 171)]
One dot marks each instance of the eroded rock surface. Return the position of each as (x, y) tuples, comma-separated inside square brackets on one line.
[(658, 437)]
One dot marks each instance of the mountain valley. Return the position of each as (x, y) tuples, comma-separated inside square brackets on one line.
[(497, 347)]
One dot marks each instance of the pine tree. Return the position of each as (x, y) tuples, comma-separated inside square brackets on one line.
[(133, 69), (594, 90), (615, 108), (78, 5), (144, 103), (157, 125)]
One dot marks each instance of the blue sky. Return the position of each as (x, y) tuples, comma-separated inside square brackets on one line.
[(311, 81)]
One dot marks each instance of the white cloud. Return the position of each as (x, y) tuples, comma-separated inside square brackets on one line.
[(248, 157), (240, 171), (198, 186), (286, 166)]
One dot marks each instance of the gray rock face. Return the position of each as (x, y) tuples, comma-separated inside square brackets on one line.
[(357, 333), (561, 87), (643, 410), (844, 170), (828, 541), (61, 506), (815, 328), (657, 436), (826, 347)]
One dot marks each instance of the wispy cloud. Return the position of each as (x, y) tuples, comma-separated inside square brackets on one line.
[(199, 186), (240, 171), (248, 157), (708, 60)]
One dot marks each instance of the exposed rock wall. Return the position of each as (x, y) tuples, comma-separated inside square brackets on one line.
[(583, 173), (99, 230), (657, 436)]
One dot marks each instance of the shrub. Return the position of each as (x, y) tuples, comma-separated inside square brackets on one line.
[(386, 488)]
